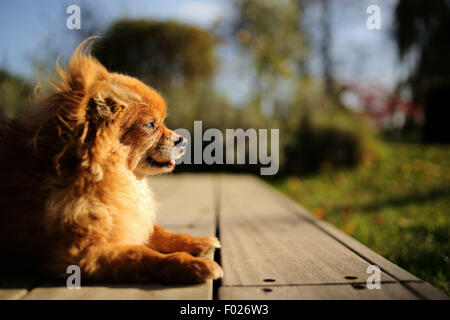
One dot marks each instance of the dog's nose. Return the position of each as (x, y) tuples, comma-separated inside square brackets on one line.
[(181, 142)]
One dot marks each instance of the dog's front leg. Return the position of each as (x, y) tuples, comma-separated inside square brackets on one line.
[(140, 263), (167, 242)]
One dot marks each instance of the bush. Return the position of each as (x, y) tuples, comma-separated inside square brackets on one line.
[(317, 134), (14, 95), (317, 148)]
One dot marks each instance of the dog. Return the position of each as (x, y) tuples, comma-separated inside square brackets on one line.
[(73, 184)]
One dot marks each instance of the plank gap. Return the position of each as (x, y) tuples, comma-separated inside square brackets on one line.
[(217, 253)]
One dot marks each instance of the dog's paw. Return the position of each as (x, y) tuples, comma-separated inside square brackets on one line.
[(203, 246), (206, 269), (184, 268)]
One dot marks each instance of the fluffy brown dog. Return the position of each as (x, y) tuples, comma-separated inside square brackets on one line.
[(72, 183)]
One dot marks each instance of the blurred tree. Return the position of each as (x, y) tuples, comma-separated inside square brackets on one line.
[(325, 50), (162, 54), (14, 94), (422, 29), (270, 31), (315, 134)]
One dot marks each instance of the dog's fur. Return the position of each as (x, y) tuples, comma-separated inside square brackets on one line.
[(73, 189)]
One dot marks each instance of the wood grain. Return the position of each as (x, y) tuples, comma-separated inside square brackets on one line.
[(354, 245), (427, 291), (388, 291), (56, 290), (264, 241)]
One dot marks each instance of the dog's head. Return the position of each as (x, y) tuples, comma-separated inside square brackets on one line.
[(99, 114), (153, 148)]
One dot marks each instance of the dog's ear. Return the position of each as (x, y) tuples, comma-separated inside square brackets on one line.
[(108, 100), (101, 107), (86, 92)]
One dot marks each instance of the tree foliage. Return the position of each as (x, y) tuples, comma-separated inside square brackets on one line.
[(422, 28), (270, 32), (162, 53), (14, 94)]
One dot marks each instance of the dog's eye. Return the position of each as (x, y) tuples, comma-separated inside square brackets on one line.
[(150, 125)]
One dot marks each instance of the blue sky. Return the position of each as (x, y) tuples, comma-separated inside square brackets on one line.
[(31, 28), (26, 26)]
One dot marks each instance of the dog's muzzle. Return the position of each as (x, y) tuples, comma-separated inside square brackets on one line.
[(179, 146)]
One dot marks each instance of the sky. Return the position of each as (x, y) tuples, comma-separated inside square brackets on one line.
[(30, 29)]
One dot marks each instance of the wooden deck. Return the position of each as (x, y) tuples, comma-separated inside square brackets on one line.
[(271, 249)]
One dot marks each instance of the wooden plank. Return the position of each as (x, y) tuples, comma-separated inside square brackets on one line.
[(186, 200), (14, 287), (263, 241), (388, 291), (420, 287), (389, 267), (12, 293), (186, 204), (427, 291), (405, 280), (57, 290)]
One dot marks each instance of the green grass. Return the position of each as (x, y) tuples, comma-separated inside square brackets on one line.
[(397, 205)]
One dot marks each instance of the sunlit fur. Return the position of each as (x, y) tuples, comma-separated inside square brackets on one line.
[(72, 185)]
